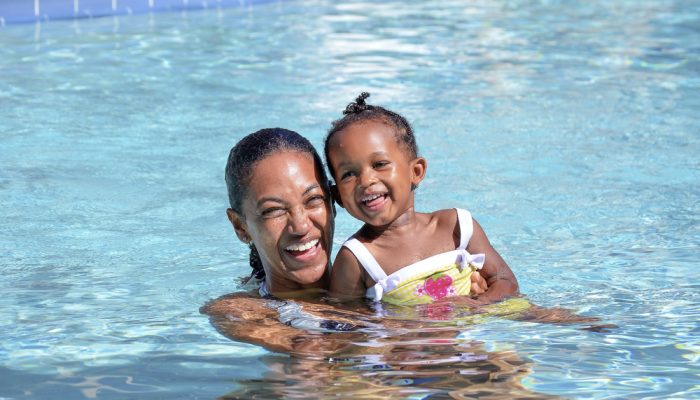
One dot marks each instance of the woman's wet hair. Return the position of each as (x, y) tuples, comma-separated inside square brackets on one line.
[(359, 111), (243, 158)]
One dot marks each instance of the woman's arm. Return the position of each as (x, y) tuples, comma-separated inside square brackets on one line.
[(500, 279), (248, 319)]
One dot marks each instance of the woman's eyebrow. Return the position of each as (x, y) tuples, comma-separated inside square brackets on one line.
[(265, 199), (269, 198), (311, 188)]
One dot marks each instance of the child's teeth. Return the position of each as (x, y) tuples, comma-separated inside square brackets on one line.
[(302, 247), (371, 197)]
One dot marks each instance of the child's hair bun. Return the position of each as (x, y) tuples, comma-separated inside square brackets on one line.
[(358, 105)]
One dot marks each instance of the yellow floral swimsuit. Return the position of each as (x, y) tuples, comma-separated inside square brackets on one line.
[(442, 275)]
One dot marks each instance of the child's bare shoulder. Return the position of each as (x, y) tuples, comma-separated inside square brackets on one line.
[(446, 223), (446, 217), (347, 278), (344, 258)]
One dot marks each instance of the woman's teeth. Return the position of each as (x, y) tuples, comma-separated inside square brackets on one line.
[(302, 247)]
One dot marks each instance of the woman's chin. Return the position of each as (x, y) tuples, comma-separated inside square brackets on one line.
[(310, 275)]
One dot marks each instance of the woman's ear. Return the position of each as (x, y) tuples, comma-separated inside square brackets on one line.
[(239, 226), (336, 195), (418, 168)]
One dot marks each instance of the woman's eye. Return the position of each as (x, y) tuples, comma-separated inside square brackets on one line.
[(273, 212), (316, 200)]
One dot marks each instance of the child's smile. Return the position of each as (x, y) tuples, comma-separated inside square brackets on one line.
[(374, 202)]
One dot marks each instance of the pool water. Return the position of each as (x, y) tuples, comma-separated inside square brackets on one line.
[(570, 132)]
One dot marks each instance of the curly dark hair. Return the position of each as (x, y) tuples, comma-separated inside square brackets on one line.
[(247, 153), (359, 110)]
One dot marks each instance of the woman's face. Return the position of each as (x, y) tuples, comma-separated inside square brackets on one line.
[(287, 215)]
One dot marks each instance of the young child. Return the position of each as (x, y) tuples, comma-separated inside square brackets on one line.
[(401, 256)]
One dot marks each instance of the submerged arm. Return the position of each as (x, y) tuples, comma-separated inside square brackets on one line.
[(248, 319)]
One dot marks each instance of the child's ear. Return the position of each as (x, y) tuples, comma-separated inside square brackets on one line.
[(418, 168), (239, 226), (336, 195)]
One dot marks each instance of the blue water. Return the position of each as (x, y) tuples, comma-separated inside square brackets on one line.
[(571, 133)]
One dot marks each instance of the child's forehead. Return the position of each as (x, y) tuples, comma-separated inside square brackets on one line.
[(378, 132), (368, 131)]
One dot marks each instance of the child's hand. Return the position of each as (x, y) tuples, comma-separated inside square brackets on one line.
[(479, 285)]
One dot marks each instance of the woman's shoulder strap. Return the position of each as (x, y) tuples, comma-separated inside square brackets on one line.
[(366, 259), (466, 227)]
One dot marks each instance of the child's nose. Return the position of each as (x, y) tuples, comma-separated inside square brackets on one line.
[(367, 179)]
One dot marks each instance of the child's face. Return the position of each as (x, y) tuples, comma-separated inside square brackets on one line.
[(374, 174)]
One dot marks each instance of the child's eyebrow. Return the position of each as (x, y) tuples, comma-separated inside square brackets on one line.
[(373, 154), (344, 164)]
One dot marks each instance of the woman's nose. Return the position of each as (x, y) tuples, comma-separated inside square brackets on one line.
[(299, 222)]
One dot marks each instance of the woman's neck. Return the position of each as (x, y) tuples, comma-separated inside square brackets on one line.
[(286, 288)]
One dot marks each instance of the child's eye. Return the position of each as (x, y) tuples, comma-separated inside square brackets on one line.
[(347, 174), (380, 164)]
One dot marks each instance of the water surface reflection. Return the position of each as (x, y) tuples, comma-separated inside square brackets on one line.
[(369, 353)]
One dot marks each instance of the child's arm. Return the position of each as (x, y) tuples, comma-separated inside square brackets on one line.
[(347, 280), (501, 280)]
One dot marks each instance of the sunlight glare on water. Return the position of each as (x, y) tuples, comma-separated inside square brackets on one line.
[(569, 131)]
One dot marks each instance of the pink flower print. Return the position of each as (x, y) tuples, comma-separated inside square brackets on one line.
[(440, 287), (420, 290)]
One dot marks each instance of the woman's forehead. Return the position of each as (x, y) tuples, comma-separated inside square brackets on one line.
[(284, 171)]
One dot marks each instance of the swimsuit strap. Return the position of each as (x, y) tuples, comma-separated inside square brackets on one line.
[(466, 227), (366, 259), (263, 291)]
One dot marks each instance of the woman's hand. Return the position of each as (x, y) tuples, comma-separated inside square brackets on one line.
[(479, 284)]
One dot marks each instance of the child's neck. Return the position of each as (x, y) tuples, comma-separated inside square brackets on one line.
[(404, 224)]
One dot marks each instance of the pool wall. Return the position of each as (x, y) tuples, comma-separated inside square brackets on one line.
[(24, 11)]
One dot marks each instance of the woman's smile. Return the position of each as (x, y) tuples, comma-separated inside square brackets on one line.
[(303, 252)]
